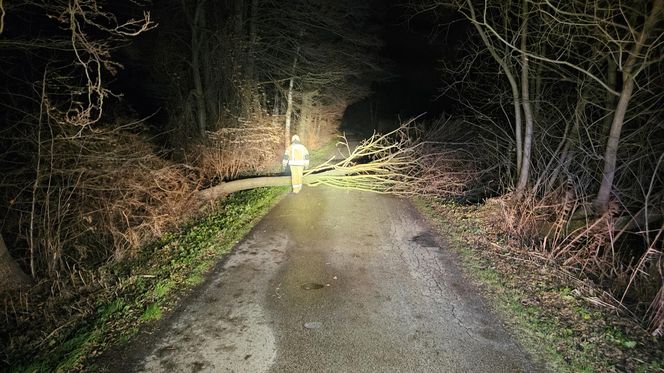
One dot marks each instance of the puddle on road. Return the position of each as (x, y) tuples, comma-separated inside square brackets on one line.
[(312, 286)]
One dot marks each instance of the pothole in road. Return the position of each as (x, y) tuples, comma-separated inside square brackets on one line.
[(312, 286), (425, 239)]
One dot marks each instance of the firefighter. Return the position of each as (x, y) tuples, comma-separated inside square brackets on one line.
[(297, 157)]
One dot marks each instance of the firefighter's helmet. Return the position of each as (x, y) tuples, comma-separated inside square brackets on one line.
[(295, 138)]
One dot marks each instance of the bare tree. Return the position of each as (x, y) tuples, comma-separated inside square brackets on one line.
[(583, 78), (524, 171), (60, 88), (289, 100), (639, 55), (317, 49), (601, 28), (503, 59), (198, 43), (611, 29)]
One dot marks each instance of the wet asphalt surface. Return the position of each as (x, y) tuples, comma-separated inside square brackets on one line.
[(333, 281)]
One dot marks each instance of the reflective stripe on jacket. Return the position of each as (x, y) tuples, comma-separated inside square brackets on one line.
[(297, 155)]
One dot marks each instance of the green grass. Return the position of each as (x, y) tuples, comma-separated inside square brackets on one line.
[(150, 283), (654, 366), (546, 314), (194, 279), (323, 153), (162, 288), (563, 346), (112, 309), (619, 338), (152, 312)]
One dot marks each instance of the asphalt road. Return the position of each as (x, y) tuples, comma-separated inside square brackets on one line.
[(334, 281)]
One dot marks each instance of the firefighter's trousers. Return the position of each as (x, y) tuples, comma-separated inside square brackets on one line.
[(296, 177)]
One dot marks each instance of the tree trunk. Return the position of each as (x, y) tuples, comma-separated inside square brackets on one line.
[(253, 37), (11, 275), (226, 188), (610, 101), (289, 112), (510, 78), (210, 71), (211, 194), (289, 101), (601, 202), (238, 15), (525, 100), (197, 38), (276, 104)]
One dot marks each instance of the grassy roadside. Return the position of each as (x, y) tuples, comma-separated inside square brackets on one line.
[(553, 315), (143, 289), (149, 285)]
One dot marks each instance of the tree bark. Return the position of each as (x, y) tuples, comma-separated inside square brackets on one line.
[(610, 101), (215, 192), (601, 202), (253, 38), (196, 46), (226, 188), (289, 102), (510, 78), (11, 275), (525, 100), (289, 112), (275, 105), (238, 15), (539, 86)]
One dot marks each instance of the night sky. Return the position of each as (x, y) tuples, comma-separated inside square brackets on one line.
[(412, 53)]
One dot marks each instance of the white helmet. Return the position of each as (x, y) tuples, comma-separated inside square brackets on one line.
[(295, 138)]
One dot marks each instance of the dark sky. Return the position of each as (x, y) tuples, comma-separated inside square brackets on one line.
[(413, 52)]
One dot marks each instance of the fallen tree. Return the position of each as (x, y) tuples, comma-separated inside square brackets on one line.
[(398, 162)]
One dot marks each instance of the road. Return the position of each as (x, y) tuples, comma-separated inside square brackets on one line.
[(334, 281)]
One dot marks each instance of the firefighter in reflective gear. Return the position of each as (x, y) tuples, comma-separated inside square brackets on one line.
[(297, 157)]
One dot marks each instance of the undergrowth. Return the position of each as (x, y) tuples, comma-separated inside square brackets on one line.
[(555, 316), (146, 287)]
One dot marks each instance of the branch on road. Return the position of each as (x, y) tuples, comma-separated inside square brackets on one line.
[(398, 163)]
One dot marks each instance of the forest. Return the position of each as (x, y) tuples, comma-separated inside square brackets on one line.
[(118, 117)]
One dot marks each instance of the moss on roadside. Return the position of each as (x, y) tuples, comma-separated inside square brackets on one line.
[(542, 305)]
